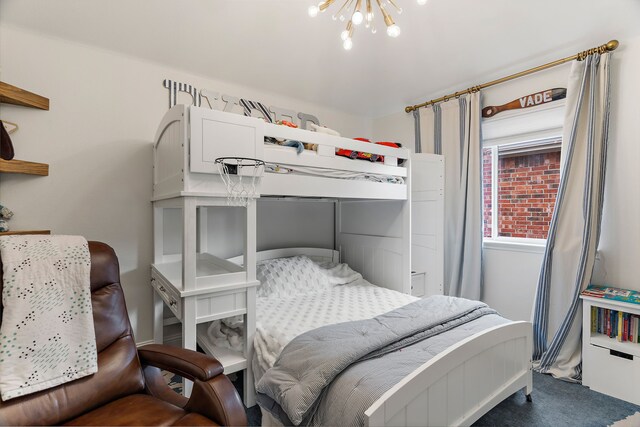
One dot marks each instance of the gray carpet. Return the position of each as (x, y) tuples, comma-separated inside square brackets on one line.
[(558, 403), (555, 404)]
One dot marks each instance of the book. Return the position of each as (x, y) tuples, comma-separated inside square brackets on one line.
[(612, 324), (594, 319), (619, 327), (608, 292)]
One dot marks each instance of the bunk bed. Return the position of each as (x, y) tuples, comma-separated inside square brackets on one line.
[(373, 210)]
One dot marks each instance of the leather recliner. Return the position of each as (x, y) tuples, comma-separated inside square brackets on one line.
[(129, 388)]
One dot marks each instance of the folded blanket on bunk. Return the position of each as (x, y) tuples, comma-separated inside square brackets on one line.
[(47, 336), (308, 365)]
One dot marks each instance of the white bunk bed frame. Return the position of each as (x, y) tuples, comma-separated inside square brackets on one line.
[(455, 388)]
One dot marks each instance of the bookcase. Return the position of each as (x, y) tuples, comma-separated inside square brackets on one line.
[(610, 354)]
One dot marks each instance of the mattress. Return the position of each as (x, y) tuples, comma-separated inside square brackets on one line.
[(279, 320)]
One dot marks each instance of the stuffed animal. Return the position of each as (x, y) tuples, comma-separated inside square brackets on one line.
[(5, 212), (5, 215)]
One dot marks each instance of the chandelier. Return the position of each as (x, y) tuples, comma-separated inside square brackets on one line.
[(361, 13)]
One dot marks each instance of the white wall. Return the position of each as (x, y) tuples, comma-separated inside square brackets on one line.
[(97, 139), (511, 275), (397, 127)]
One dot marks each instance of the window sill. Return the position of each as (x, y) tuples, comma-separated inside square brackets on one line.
[(536, 246)]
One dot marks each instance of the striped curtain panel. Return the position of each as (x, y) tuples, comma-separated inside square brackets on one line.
[(453, 130), (575, 227)]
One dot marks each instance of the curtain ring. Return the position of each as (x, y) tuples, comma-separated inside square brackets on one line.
[(457, 95), (445, 98)]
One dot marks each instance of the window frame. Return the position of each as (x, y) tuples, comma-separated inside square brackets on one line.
[(521, 126)]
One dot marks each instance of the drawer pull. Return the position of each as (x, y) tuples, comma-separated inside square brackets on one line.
[(162, 289), (173, 303), (621, 354)]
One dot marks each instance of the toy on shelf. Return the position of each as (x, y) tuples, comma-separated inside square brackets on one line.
[(5, 216), (299, 146), (352, 154)]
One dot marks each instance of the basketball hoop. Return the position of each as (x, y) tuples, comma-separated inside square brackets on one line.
[(239, 175)]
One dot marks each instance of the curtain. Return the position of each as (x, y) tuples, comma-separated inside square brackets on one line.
[(575, 226), (453, 129)]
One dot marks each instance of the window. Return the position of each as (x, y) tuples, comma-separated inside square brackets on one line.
[(520, 182)]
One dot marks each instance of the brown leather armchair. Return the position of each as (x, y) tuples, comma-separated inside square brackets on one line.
[(128, 388)]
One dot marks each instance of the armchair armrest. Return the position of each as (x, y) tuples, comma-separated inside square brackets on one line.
[(186, 363), (213, 395)]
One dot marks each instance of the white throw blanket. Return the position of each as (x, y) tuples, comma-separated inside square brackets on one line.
[(47, 336)]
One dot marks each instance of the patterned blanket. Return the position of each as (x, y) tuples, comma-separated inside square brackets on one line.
[(47, 336)]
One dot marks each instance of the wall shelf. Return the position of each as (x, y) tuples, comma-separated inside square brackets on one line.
[(10, 94), (22, 232), (22, 166)]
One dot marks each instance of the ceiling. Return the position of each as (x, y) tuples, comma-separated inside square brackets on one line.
[(273, 45)]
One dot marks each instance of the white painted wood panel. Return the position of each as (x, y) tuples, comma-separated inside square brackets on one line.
[(458, 383), (427, 219), (220, 305), (217, 134), (378, 259), (274, 184)]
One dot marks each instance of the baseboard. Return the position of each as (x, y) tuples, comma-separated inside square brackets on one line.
[(173, 340)]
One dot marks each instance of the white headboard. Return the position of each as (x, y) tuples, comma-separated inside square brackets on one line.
[(316, 254)]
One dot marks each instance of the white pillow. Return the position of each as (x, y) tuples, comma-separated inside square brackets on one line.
[(283, 277)]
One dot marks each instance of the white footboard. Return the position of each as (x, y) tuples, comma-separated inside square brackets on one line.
[(462, 383)]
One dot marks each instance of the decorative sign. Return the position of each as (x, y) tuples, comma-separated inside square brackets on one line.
[(532, 100), (233, 104)]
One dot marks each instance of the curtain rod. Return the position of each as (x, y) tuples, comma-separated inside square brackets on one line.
[(608, 47)]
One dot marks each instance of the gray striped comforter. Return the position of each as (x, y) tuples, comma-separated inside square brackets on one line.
[(331, 375)]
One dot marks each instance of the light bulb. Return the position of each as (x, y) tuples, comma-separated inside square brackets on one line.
[(344, 35), (422, 2), (341, 18), (347, 44), (313, 11), (393, 30), (357, 17), (369, 16)]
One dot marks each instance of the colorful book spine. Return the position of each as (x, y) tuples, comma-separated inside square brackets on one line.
[(601, 319), (594, 319)]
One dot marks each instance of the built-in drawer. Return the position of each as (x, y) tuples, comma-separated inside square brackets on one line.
[(613, 372), (219, 305), (168, 293)]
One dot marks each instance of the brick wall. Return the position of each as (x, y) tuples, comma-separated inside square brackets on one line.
[(486, 190), (527, 188)]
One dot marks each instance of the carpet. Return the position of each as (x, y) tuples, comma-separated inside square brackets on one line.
[(558, 403)]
